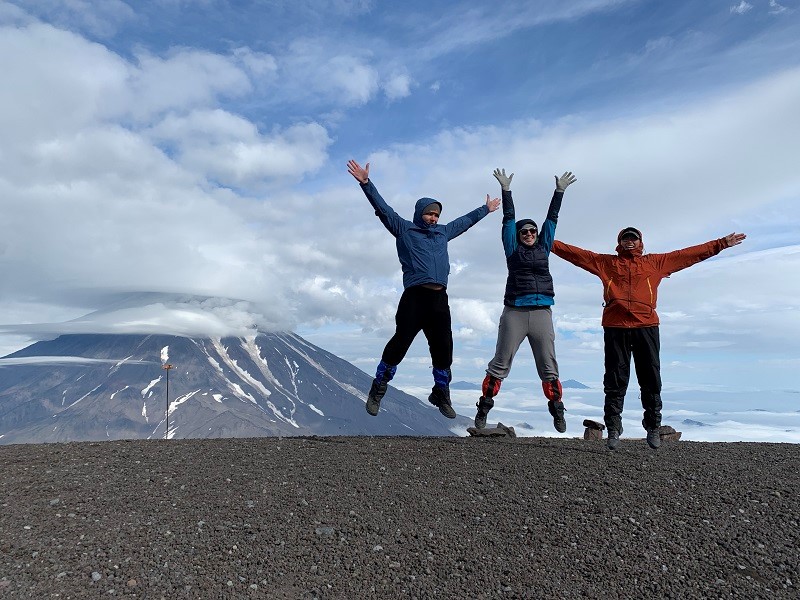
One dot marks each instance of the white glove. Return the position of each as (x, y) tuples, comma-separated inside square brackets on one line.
[(505, 182), (564, 181)]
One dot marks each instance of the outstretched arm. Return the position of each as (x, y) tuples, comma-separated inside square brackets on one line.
[(585, 259), (458, 226), (672, 262)]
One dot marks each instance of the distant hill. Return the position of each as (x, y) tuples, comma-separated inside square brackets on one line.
[(573, 384), (694, 423), (464, 385)]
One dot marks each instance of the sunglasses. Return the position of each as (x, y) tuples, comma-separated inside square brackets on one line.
[(527, 232), (431, 214)]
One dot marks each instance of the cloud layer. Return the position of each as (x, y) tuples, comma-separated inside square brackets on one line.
[(189, 185)]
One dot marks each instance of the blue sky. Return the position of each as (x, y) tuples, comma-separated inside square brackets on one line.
[(179, 165)]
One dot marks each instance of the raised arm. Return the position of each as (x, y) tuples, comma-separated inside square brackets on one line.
[(548, 232), (508, 230), (390, 219)]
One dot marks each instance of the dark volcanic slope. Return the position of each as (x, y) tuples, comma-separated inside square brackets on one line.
[(399, 517)]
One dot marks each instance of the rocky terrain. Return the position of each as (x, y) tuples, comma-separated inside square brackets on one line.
[(394, 517)]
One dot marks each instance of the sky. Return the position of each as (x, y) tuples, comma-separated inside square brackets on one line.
[(179, 166)]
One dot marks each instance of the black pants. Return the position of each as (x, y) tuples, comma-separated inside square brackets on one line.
[(643, 343), (423, 309)]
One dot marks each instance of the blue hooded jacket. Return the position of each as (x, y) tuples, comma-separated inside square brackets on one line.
[(421, 248)]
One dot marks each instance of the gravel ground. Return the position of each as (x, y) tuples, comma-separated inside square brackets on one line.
[(399, 517)]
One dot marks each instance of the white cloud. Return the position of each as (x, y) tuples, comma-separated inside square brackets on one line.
[(229, 149), (167, 314), (776, 8), (313, 68), (186, 79), (260, 64), (397, 86), (741, 8)]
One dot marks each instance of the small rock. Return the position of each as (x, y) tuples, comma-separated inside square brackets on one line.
[(498, 431)]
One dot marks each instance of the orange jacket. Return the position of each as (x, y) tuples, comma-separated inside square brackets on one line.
[(630, 279)]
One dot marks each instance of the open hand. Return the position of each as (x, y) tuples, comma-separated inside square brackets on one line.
[(492, 205), (505, 182), (362, 175), (733, 239), (564, 181)]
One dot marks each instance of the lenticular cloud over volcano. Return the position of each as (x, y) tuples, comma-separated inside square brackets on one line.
[(164, 314)]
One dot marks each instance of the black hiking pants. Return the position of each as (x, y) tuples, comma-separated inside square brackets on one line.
[(643, 344), (426, 310)]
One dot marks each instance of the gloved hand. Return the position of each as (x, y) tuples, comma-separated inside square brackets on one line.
[(505, 182), (564, 181)]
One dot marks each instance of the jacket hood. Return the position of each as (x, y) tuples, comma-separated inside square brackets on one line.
[(420, 206)]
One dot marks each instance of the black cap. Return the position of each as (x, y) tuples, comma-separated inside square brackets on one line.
[(629, 231)]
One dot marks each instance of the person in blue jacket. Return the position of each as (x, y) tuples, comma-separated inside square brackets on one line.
[(527, 301), (422, 250)]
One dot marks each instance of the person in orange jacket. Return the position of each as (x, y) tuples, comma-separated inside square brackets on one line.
[(630, 322)]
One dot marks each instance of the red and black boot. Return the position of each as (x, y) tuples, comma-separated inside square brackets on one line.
[(553, 392), (490, 388)]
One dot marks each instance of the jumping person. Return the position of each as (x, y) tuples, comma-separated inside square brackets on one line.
[(630, 323), (527, 301), (422, 250)]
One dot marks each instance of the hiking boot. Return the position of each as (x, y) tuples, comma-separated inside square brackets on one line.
[(613, 439), (557, 411), (440, 398), (654, 439), (484, 406), (376, 393)]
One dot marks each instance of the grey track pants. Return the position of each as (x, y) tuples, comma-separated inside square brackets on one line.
[(516, 324)]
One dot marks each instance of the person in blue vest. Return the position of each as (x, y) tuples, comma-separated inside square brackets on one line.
[(527, 301), (422, 250)]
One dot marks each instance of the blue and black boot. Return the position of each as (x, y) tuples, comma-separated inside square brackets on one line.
[(380, 384), (440, 394)]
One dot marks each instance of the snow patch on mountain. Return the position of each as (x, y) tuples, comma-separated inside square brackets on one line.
[(150, 386)]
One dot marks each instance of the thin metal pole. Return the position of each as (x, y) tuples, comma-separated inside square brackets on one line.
[(167, 367)]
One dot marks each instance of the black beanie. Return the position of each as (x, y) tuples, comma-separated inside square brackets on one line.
[(526, 223)]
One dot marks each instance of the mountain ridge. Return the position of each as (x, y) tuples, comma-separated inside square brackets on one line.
[(113, 386)]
